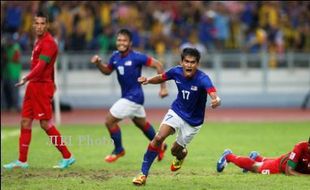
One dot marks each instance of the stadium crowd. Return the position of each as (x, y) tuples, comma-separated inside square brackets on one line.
[(162, 26)]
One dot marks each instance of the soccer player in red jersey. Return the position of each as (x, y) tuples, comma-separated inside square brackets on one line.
[(296, 162), (39, 93)]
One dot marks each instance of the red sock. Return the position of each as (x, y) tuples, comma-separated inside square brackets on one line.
[(24, 141), (55, 136), (259, 159), (241, 161)]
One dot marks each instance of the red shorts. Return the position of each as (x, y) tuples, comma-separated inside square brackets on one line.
[(270, 166), (38, 100)]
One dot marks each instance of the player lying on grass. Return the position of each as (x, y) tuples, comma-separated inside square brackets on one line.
[(296, 162), (128, 65), (186, 115)]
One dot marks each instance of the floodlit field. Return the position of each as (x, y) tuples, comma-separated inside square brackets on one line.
[(90, 144)]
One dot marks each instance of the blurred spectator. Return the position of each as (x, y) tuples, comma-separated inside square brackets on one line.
[(78, 39), (207, 30), (106, 40), (275, 44), (256, 39), (12, 18), (86, 23), (105, 13), (193, 42), (11, 73), (301, 37), (269, 14), (221, 24)]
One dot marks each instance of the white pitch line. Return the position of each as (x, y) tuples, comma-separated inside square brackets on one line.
[(5, 135), (12, 133)]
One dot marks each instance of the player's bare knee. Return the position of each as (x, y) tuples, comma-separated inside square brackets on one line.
[(25, 123), (44, 124), (109, 124)]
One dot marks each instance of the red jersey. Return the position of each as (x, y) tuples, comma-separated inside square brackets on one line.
[(298, 158), (46, 50)]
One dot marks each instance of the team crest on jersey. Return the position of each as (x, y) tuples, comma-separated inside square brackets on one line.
[(194, 88), (128, 63), (114, 62)]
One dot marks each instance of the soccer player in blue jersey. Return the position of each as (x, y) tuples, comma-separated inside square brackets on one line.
[(128, 65), (186, 115)]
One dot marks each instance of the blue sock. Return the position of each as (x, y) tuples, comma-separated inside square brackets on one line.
[(149, 131), (148, 159), (116, 135)]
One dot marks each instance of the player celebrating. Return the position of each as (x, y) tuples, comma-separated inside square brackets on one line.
[(39, 95), (128, 64), (296, 162), (187, 112)]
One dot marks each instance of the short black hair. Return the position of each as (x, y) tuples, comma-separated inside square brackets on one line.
[(42, 14), (126, 32), (191, 52)]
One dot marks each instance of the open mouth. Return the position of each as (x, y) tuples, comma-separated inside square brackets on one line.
[(188, 70)]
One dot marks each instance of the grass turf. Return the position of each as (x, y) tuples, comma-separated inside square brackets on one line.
[(90, 144)]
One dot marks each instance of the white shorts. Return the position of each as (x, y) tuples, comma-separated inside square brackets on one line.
[(185, 132), (125, 108)]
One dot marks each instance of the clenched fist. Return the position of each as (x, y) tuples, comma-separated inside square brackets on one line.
[(96, 60), (143, 80)]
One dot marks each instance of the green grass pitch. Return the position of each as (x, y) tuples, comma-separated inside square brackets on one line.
[(90, 144)]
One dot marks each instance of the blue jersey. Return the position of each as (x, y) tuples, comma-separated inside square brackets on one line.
[(128, 69), (192, 94)]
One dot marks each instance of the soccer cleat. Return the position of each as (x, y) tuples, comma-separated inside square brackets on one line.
[(139, 179), (253, 155), (16, 164), (162, 151), (222, 162), (65, 163), (113, 157), (176, 164)]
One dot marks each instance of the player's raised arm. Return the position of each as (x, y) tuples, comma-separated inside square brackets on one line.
[(158, 79), (104, 68), (160, 69)]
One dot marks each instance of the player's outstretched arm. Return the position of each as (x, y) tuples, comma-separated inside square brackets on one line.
[(153, 80), (215, 100), (291, 171), (96, 60), (160, 70)]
